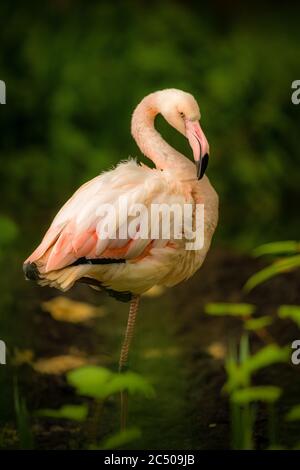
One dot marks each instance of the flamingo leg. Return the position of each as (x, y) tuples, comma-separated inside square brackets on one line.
[(133, 310)]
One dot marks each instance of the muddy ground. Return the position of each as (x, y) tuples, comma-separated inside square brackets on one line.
[(177, 347)]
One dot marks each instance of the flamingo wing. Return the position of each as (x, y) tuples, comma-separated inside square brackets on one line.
[(76, 234)]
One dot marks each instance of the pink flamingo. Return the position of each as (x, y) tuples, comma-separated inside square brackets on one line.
[(74, 251)]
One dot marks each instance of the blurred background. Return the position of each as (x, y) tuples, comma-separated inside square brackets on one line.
[(74, 72)]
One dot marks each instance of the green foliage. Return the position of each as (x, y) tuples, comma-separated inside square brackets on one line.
[(240, 367), (268, 394), (98, 382), (119, 440), (79, 413), (266, 356), (293, 414), (278, 267), (242, 310), (72, 412), (255, 324), (290, 311), (239, 374), (242, 424), (23, 420), (234, 309), (278, 248), (242, 418)]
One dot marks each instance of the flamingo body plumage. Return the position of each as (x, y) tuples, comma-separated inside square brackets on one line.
[(73, 249)]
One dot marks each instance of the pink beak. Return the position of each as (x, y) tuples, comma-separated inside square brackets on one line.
[(199, 144)]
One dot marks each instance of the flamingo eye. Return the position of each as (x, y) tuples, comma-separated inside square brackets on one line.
[(181, 114)]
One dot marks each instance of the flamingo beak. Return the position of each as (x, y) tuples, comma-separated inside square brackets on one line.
[(199, 145)]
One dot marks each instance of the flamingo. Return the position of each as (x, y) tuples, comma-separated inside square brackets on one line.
[(73, 249)]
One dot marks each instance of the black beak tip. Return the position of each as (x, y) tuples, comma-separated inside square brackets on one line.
[(201, 166), (31, 271)]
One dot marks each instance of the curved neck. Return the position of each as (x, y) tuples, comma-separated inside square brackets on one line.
[(151, 142)]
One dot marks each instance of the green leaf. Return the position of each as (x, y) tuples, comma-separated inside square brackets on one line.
[(119, 440), (98, 382), (132, 382), (234, 309), (258, 323), (278, 248), (268, 394), (244, 349), (73, 412), (290, 311), (236, 376), (276, 268), (293, 414), (90, 380), (266, 356), (239, 375)]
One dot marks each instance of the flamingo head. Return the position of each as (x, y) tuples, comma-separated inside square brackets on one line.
[(181, 111)]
